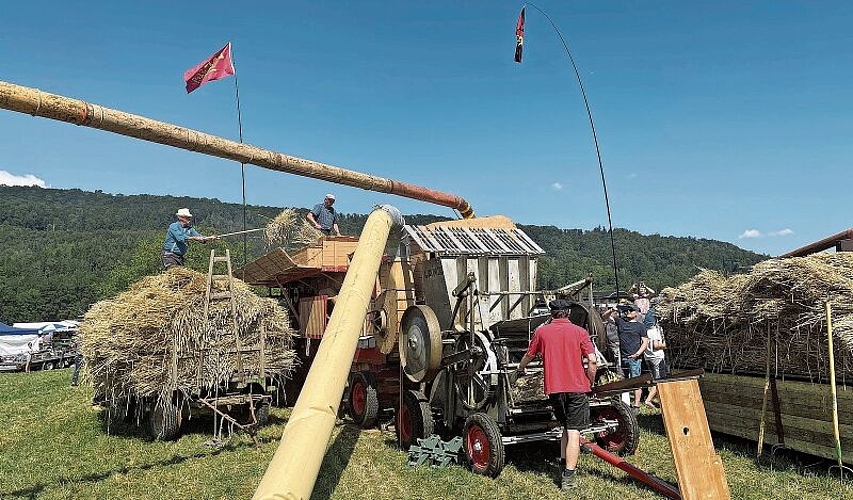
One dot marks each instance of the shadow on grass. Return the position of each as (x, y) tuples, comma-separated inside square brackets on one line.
[(136, 428), (335, 462), (36, 490), (539, 458)]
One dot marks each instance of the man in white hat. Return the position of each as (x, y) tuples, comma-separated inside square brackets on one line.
[(324, 218), (177, 236)]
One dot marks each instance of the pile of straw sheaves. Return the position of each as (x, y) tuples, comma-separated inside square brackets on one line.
[(131, 342), (723, 323)]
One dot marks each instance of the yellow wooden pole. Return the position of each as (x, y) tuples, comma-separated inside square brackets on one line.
[(764, 399), (832, 385), (296, 463)]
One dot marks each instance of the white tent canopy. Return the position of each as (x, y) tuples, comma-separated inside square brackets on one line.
[(49, 326)]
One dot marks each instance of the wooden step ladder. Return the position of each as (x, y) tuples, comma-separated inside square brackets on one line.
[(226, 295)]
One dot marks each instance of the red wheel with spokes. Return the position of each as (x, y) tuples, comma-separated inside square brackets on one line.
[(625, 437), (363, 403), (483, 445), (414, 419)]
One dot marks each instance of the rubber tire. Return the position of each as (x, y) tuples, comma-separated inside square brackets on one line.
[(363, 399), (419, 423), (47, 366), (164, 421), (262, 414), (482, 431), (623, 440)]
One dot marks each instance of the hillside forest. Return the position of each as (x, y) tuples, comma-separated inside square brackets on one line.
[(63, 250)]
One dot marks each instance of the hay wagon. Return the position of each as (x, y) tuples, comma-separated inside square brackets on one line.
[(239, 401), (178, 345)]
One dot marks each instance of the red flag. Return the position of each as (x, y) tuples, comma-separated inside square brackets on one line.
[(519, 36), (219, 65)]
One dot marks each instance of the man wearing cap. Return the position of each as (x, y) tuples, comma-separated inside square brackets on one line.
[(324, 218), (177, 236), (563, 347), (633, 341)]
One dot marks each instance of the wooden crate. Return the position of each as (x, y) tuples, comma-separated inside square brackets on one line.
[(733, 406)]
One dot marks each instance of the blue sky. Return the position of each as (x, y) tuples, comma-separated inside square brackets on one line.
[(723, 120)]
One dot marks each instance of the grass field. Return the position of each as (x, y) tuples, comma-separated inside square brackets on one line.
[(54, 444)]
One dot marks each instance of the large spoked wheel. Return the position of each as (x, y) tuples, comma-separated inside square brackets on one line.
[(483, 446), (414, 419), (363, 402), (624, 439), (164, 420), (420, 344), (476, 377)]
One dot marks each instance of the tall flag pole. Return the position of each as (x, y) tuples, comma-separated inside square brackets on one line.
[(216, 67), (519, 35), (242, 175)]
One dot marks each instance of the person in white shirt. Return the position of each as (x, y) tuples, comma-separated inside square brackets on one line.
[(655, 360)]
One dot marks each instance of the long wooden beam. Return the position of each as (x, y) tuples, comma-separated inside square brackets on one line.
[(37, 103)]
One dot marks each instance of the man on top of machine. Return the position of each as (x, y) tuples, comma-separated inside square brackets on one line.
[(324, 217), (563, 345)]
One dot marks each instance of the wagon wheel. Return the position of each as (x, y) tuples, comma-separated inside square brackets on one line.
[(363, 400), (420, 344), (164, 420), (476, 377), (484, 448), (624, 439), (262, 414), (414, 419), (47, 366), (585, 315)]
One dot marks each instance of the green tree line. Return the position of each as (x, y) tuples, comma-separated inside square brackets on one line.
[(63, 250)]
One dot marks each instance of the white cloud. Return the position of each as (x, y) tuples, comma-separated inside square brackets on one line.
[(750, 233), (557, 186), (8, 179), (632, 176), (783, 232)]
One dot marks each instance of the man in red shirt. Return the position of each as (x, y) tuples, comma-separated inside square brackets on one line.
[(563, 346)]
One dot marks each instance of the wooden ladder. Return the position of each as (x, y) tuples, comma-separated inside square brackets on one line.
[(229, 295)]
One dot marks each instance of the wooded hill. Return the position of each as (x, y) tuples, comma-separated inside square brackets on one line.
[(63, 250)]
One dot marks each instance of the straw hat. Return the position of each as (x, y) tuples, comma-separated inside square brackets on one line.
[(184, 212)]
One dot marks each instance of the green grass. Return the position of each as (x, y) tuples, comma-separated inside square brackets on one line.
[(54, 444)]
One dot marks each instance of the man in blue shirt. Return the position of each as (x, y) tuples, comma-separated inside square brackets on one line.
[(177, 236), (324, 218)]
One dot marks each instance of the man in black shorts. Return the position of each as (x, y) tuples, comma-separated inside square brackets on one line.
[(563, 346)]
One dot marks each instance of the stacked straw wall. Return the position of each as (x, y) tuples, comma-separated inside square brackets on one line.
[(722, 323)]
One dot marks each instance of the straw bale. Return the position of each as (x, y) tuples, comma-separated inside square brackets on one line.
[(131, 341), (280, 228), (722, 323)]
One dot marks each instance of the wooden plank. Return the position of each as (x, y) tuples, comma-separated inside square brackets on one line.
[(799, 408), (700, 469), (312, 316), (795, 387), (724, 425), (816, 395), (805, 425)]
